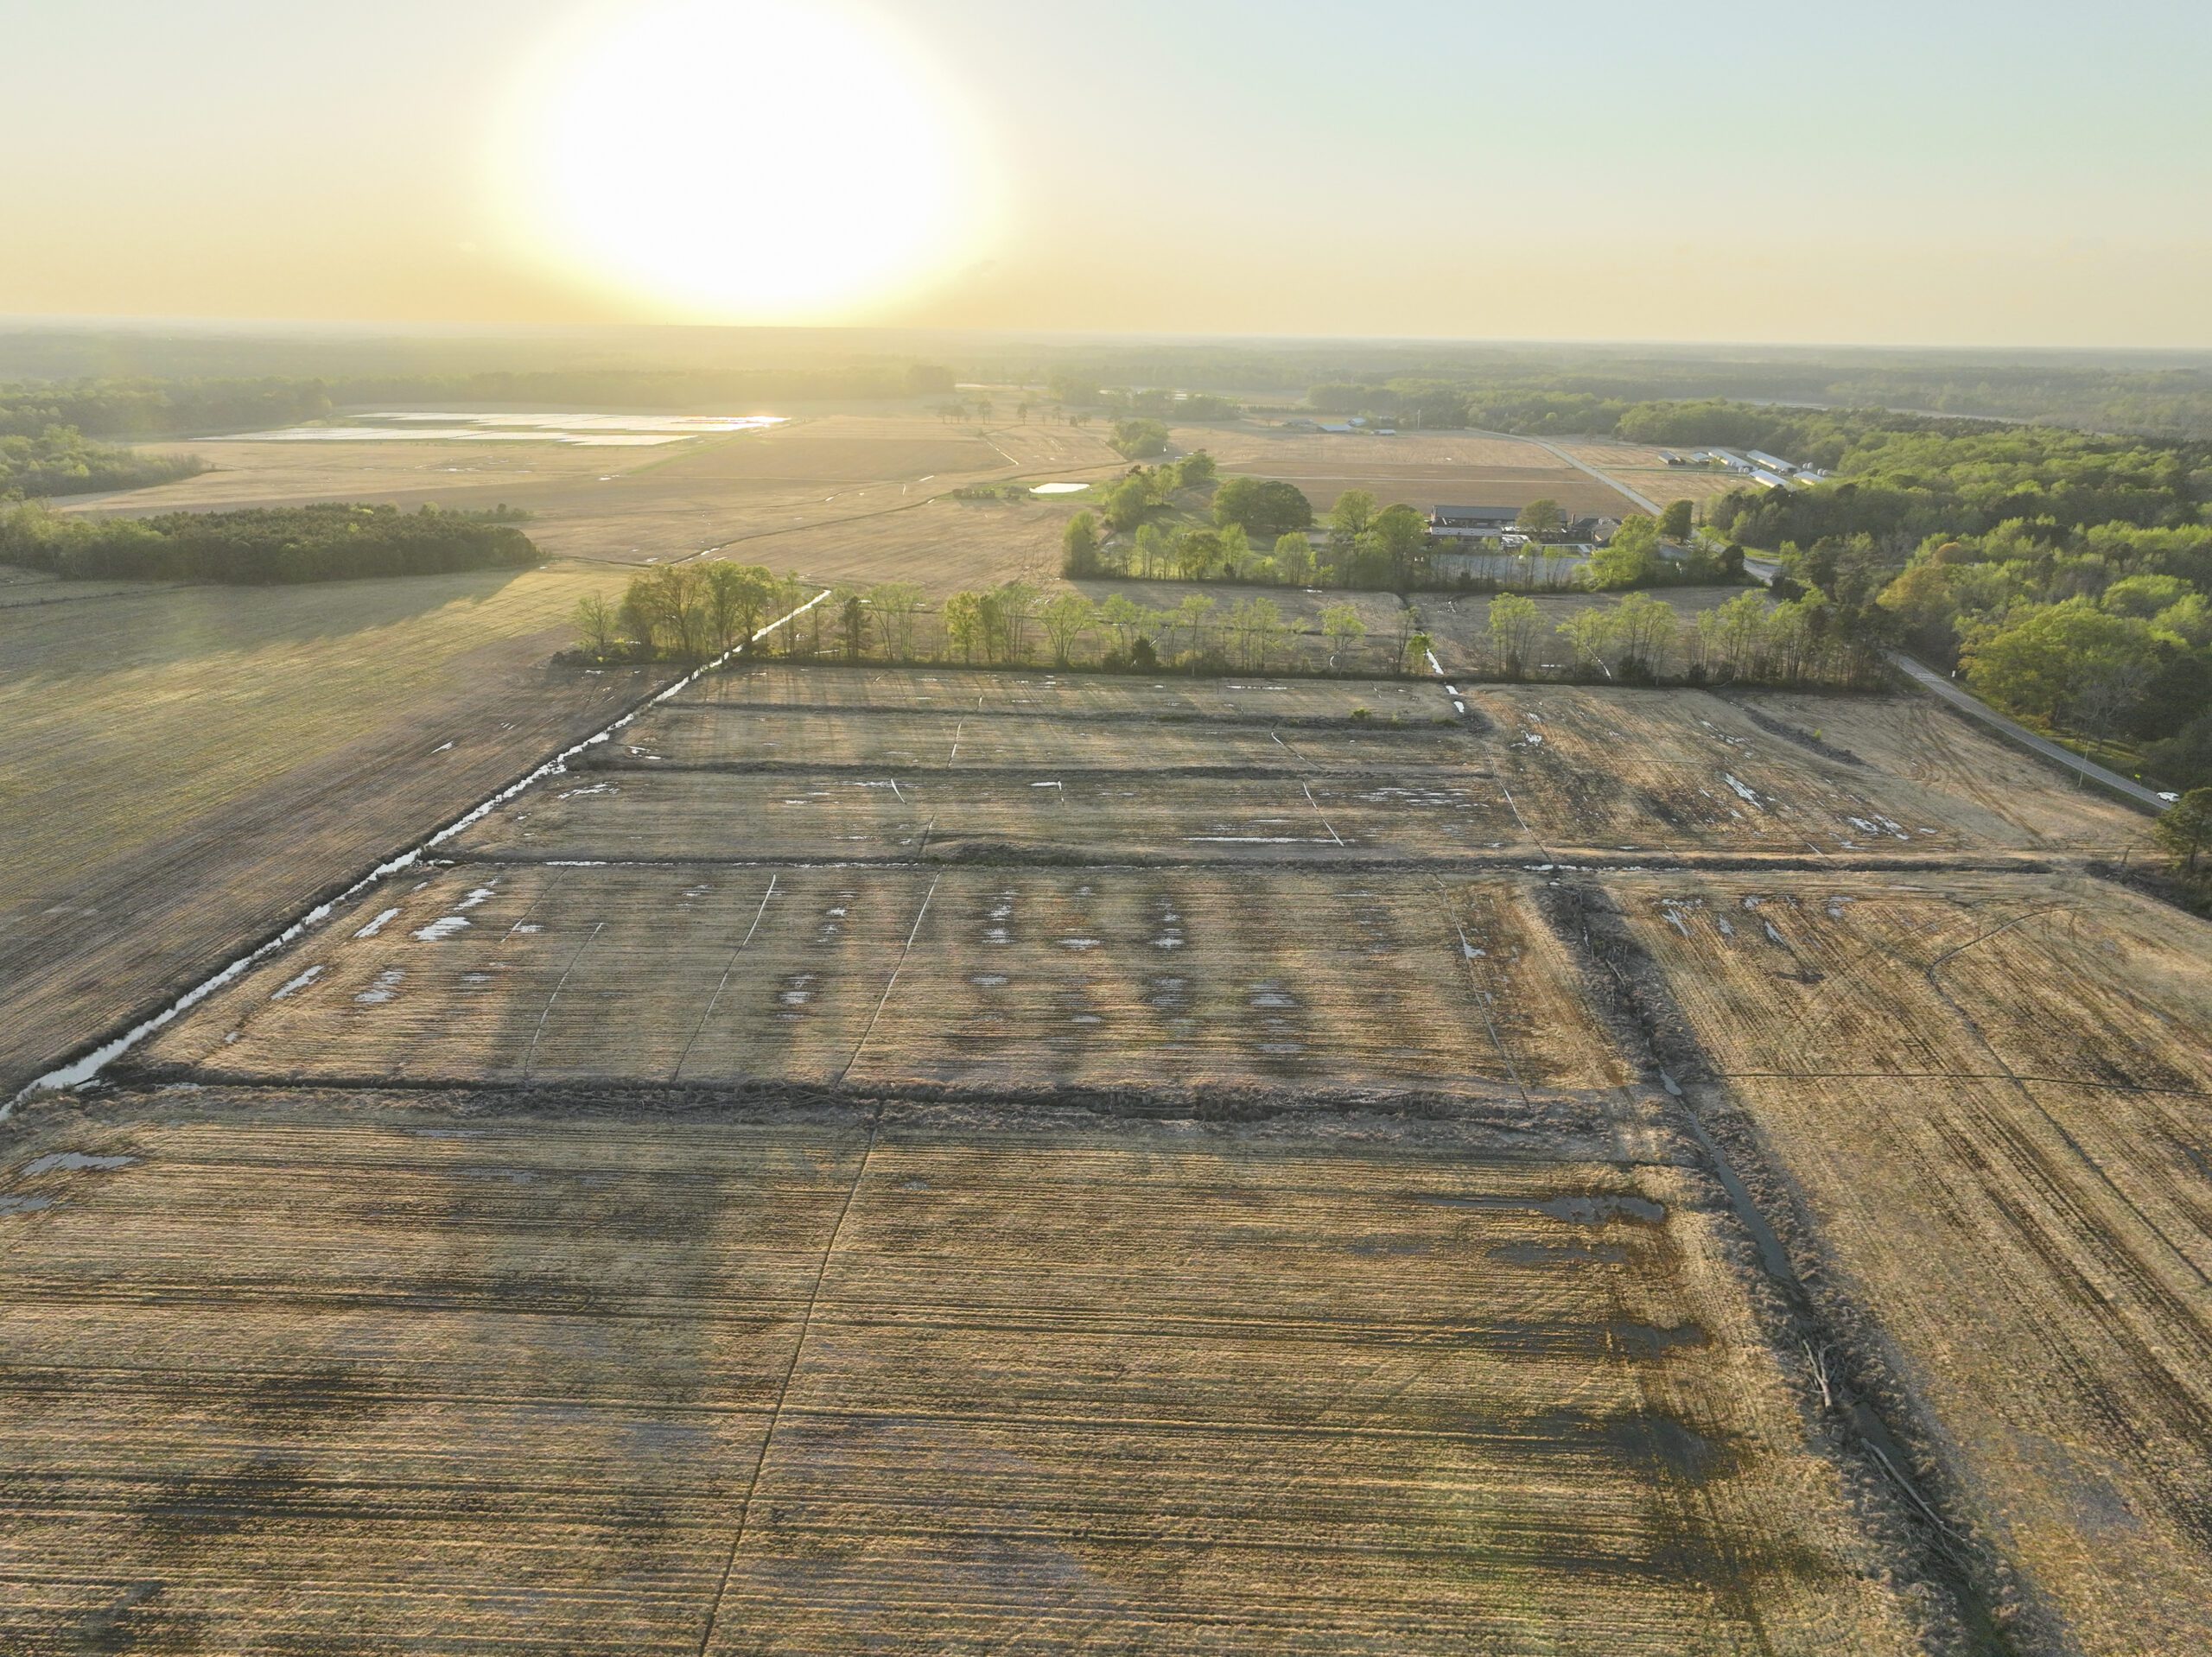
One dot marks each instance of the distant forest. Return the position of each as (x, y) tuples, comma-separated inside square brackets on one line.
[(330, 540), (1566, 390), (2162, 394), (153, 408)]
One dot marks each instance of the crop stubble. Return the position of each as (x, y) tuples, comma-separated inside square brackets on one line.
[(1445, 1339), (1419, 469), (187, 765), (792, 1381), (1989, 1097)]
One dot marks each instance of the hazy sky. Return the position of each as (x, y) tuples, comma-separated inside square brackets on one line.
[(1938, 172)]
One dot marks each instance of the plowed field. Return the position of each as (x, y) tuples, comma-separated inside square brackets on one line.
[(974, 978), (1420, 469), (405, 1373), (1647, 770), (973, 1161), (1991, 1099)]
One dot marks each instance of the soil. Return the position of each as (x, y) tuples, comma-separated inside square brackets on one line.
[(967, 1159)]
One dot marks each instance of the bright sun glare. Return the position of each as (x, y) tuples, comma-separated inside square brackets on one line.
[(744, 160)]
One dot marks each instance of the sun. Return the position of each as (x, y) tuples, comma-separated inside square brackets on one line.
[(743, 161)]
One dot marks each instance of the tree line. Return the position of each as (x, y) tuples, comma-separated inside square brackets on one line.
[(112, 407), (328, 541), (61, 461), (2067, 577), (699, 612), (1642, 640), (1155, 524)]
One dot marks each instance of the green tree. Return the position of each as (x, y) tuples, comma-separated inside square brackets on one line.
[(1630, 557), (1294, 557), (1124, 616), (2184, 828), (1514, 623), (2144, 596), (1196, 552), (1196, 470), (739, 598), (1013, 606), (1066, 619), (1645, 629), (1401, 539), (896, 604), (2059, 658), (1264, 506), (1675, 523), (1342, 627), (963, 623), (1349, 519), (1413, 658), (1191, 615), (1139, 440), (1541, 516), (1259, 627), (1126, 503), (852, 622), (1080, 547), (1740, 630), (1593, 634), (1921, 598), (1153, 555)]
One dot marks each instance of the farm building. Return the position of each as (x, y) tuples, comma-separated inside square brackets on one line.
[(1591, 531), (1470, 523), (1501, 524)]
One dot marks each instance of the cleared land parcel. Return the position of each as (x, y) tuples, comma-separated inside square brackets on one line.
[(1007, 1159), (785, 1382), (1988, 1098)]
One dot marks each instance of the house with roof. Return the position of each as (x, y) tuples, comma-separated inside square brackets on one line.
[(1470, 523)]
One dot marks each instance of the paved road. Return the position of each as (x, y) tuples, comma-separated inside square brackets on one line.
[(1613, 484), (1763, 570), (1973, 707)]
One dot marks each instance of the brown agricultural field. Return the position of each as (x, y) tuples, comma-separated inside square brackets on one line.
[(774, 737), (1177, 697), (998, 980), (191, 765), (999, 1159), (187, 765), (563, 1378), (406, 473), (1420, 469), (940, 545), (1983, 1104), (1047, 811), (834, 476), (1648, 770)]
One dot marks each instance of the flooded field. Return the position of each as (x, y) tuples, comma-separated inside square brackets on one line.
[(575, 430)]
